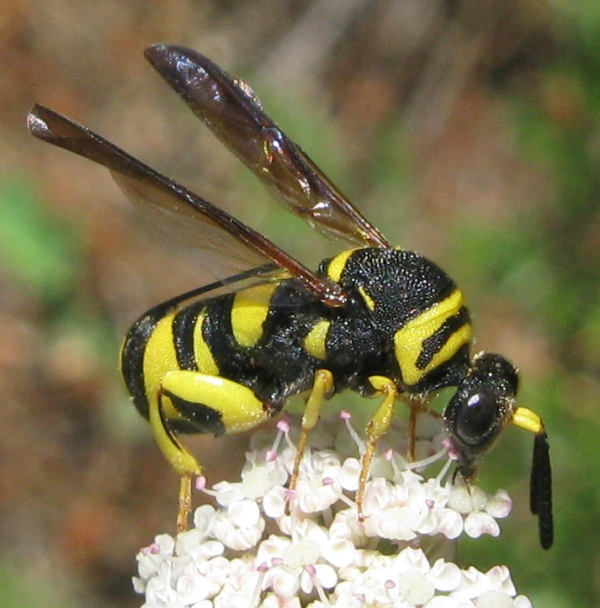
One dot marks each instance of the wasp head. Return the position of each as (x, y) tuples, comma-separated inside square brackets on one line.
[(478, 412)]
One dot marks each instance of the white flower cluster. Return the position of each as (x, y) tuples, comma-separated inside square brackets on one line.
[(267, 546)]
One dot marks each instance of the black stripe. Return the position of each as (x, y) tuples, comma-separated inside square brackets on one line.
[(184, 325), (218, 334), (198, 418), (432, 345)]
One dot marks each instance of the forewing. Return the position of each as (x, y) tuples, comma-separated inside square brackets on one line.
[(236, 117), (232, 247)]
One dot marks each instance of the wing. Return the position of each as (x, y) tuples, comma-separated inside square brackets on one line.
[(236, 117), (240, 251)]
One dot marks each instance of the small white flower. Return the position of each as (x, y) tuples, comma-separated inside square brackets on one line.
[(258, 480), (522, 602), (445, 576), (274, 502), (225, 492), (316, 494), (465, 499), (204, 518), (349, 474), (415, 588), (500, 578), (478, 523), (240, 526), (410, 559), (449, 523), (499, 505), (473, 584), (494, 599), (193, 587)]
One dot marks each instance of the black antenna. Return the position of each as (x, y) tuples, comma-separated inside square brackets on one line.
[(540, 489)]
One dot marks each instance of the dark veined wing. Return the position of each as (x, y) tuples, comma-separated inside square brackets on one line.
[(241, 251), (236, 117)]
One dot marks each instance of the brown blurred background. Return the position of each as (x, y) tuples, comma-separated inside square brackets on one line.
[(468, 130)]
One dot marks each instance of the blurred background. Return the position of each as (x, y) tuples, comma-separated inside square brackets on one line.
[(468, 130)]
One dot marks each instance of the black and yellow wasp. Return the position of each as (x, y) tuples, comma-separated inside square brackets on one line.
[(375, 319)]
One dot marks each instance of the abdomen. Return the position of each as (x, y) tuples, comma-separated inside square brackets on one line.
[(254, 337)]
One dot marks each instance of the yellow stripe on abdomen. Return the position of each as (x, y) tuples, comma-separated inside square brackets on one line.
[(202, 353), (249, 311), (160, 357), (315, 342)]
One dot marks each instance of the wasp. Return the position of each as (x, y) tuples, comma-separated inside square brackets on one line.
[(375, 319)]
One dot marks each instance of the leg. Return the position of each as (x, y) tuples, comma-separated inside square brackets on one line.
[(322, 388), (204, 404), (184, 503), (416, 405), (377, 427)]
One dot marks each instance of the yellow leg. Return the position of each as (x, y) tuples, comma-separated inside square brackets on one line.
[(179, 457), (173, 450), (377, 427), (322, 387), (185, 502)]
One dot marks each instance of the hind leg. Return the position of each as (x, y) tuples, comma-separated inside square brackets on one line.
[(205, 404)]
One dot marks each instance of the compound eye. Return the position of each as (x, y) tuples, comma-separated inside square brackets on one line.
[(476, 418)]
